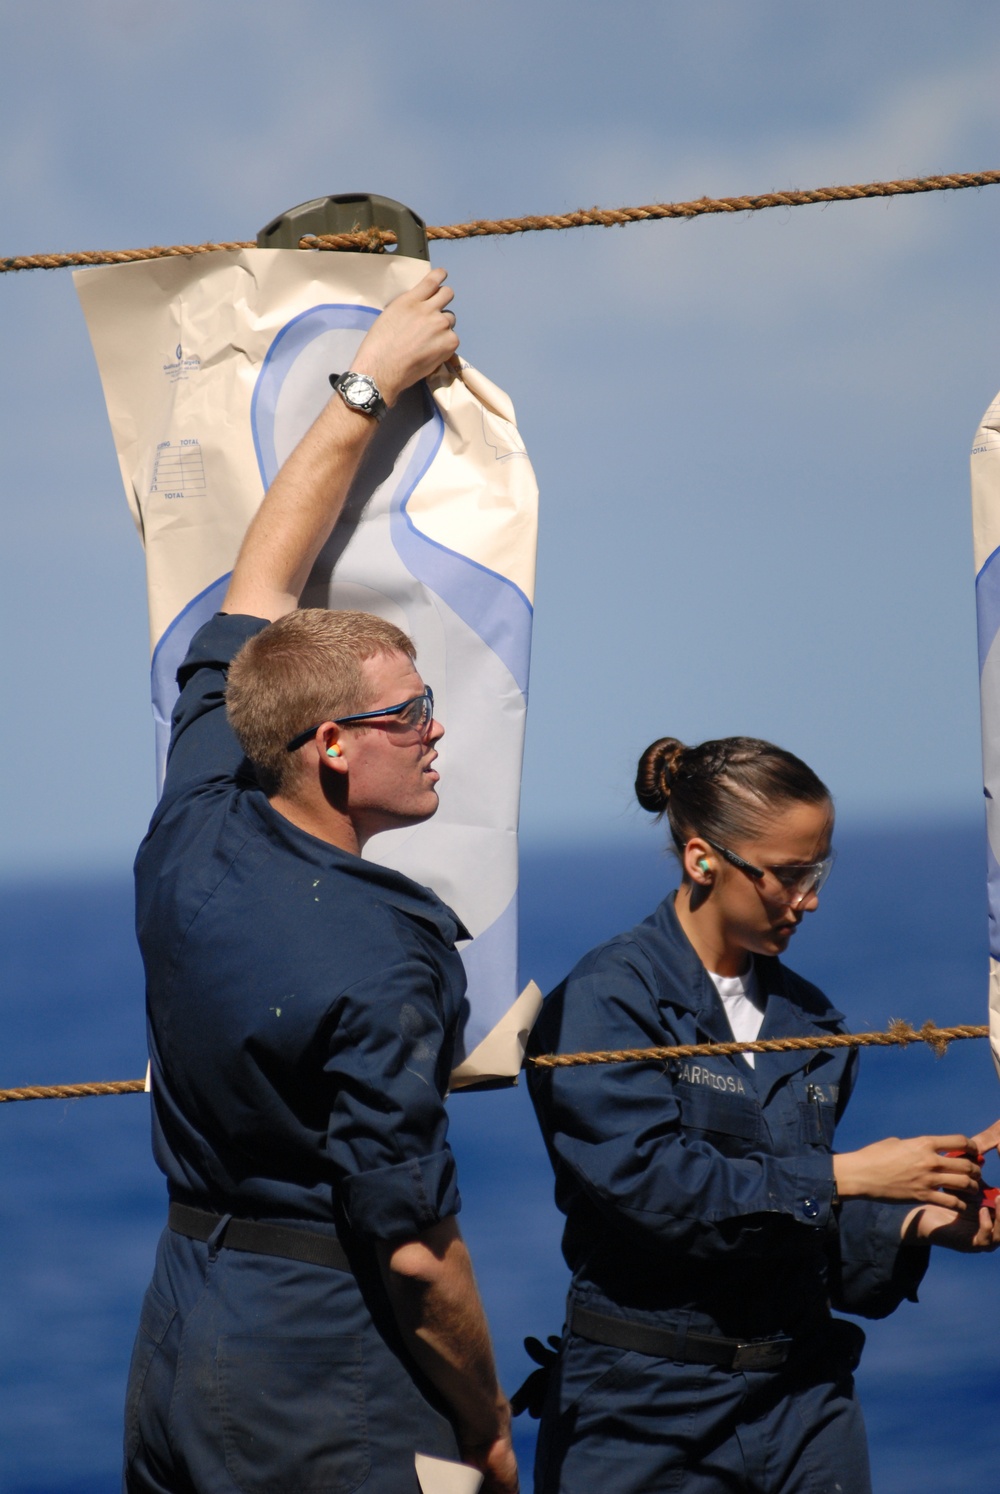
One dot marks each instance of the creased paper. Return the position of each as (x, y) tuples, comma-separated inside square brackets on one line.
[(985, 465), (213, 367), (438, 1476), (500, 1055)]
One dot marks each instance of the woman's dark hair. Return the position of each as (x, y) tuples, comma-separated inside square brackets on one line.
[(722, 790)]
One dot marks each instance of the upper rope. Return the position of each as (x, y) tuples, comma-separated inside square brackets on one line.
[(375, 240)]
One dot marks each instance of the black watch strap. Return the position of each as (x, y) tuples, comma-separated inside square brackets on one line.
[(350, 385)]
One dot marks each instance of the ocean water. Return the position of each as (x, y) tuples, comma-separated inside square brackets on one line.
[(902, 932)]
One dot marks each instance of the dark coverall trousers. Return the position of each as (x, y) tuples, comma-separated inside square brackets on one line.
[(267, 1376), (626, 1423)]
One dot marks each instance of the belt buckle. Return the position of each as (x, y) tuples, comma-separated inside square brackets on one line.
[(768, 1355)]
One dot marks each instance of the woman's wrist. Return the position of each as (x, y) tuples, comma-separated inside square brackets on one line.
[(843, 1174), (909, 1230)]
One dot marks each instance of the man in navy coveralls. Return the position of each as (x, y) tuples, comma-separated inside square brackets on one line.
[(312, 1320)]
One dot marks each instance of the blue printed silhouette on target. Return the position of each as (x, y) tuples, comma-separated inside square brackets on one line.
[(988, 625), (491, 604), (485, 617)]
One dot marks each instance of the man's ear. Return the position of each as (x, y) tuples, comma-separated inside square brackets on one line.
[(331, 749)]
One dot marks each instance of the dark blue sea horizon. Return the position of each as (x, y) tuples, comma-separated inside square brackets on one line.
[(902, 933)]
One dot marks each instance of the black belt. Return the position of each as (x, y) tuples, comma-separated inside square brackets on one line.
[(684, 1348), (289, 1243)]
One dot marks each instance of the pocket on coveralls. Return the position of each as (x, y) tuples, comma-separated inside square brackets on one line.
[(731, 1121), (293, 1414), (154, 1320), (817, 1123)]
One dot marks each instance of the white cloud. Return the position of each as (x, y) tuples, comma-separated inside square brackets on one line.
[(699, 269), (745, 339)]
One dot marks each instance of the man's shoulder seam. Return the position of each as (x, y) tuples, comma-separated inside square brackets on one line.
[(214, 890)]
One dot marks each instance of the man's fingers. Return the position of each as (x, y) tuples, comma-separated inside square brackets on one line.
[(440, 300), (428, 296), (425, 289), (414, 335)]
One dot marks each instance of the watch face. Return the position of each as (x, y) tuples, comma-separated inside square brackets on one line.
[(359, 391)]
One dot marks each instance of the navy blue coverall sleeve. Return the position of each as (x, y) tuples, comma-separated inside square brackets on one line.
[(318, 1001), (388, 1126), (203, 748), (691, 1173), (696, 1169), (871, 1270)]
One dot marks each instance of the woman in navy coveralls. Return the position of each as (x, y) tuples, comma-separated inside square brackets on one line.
[(709, 1226)]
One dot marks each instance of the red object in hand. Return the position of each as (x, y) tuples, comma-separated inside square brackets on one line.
[(987, 1196)]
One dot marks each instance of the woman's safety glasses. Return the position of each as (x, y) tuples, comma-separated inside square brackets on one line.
[(796, 881), (416, 712)]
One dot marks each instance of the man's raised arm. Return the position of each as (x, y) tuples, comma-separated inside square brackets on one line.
[(412, 337)]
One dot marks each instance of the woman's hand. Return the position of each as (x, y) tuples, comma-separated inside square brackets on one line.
[(938, 1226), (986, 1140), (912, 1168)]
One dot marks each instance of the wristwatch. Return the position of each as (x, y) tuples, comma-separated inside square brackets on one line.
[(359, 392)]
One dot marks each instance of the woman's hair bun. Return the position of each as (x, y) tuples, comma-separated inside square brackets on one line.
[(656, 772)]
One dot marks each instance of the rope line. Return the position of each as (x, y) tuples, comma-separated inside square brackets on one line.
[(375, 240), (898, 1034), (72, 1091)]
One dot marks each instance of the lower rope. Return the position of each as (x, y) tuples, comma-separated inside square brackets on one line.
[(72, 1091), (898, 1034)]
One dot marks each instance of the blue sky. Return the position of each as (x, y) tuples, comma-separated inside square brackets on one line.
[(751, 434)]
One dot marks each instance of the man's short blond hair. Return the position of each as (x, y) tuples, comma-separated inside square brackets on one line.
[(303, 669)]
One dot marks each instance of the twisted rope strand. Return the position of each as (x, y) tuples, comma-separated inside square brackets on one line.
[(697, 207), (899, 1034), (72, 1091), (113, 256), (375, 240)]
